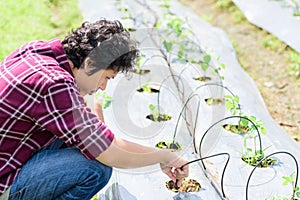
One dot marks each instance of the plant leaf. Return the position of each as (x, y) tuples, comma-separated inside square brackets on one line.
[(168, 46)]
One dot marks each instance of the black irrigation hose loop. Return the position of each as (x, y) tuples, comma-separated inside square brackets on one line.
[(230, 117), (220, 85), (223, 172), (259, 163), (209, 84), (148, 59), (184, 108), (162, 83)]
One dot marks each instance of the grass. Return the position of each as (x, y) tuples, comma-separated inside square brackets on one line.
[(230, 7), (270, 41), (35, 20)]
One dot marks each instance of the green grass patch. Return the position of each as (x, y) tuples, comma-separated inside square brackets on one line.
[(294, 57), (35, 20), (229, 6)]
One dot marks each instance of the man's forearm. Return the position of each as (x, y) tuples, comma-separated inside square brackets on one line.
[(125, 154)]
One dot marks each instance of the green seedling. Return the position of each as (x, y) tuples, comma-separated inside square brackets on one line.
[(104, 99), (169, 145), (253, 156), (147, 88), (138, 65), (232, 104), (238, 129), (286, 181), (214, 101), (202, 78), (156, 115)]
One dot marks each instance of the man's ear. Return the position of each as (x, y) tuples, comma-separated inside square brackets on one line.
[(88, 65)]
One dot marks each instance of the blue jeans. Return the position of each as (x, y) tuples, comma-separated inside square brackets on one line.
[(59, 173)]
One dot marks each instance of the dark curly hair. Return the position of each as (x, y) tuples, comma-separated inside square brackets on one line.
[(103, 44)]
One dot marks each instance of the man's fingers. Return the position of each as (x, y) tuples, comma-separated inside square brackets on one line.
[(179, 182)]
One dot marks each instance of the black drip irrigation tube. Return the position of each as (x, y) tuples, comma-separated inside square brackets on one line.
[(223, 172), (259, 163), (148, 59), (196, 118), (230, 117), (219, 85)]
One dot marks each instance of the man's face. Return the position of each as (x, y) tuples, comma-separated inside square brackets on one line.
[(90, 84)]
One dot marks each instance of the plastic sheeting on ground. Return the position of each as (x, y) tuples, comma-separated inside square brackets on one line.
[(126, 115), (275, 16)]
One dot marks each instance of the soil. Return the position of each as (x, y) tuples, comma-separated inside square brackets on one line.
[(188, 185), (268, 67)]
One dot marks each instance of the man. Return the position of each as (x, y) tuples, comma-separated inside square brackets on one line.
[(51, 145)]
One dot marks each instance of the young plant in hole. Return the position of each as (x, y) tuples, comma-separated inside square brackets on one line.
[(214, 101), (253, 156), (205, 63), (187, 185), (169, 145), (174, 25), (296, 191), (232, 103), (192, 185), (240, 128), (104, 99), (138, 65), (147, 88), (202, 78), (156, 115)]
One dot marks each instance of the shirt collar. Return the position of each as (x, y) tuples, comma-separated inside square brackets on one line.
[(60, 55)]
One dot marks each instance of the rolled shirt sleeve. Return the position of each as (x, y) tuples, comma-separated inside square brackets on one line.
[(63, 112)]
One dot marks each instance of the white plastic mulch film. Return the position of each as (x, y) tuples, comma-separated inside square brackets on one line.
[(279, 17), (202, 88)]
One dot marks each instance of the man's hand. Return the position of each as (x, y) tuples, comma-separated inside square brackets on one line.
[(173, 168)]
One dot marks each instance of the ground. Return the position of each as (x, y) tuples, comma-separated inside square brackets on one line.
[(263, 57)]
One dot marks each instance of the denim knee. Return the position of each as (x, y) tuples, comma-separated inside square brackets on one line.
[(103, 174), (107, 174)]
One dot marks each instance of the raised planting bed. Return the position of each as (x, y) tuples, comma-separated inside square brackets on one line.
[(224, 142)]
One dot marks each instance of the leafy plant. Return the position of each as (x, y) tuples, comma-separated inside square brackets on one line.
[(214, 101), (253, 156), (154, 112), (104, 99), (238, 129), (206, 62), (296, 191), (258, 123), (232, 104), (169, 145), (156, 115), (291, 180), (94, 198), (147, 88)]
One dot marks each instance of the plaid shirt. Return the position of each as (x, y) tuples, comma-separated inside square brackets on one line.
[(40, 101)]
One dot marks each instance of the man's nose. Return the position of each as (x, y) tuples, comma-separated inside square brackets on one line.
[(103, 85)]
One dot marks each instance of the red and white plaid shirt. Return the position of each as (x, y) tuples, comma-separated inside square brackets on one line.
[(40, 101)]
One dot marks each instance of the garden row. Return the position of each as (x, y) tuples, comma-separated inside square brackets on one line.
[(178, 87)]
